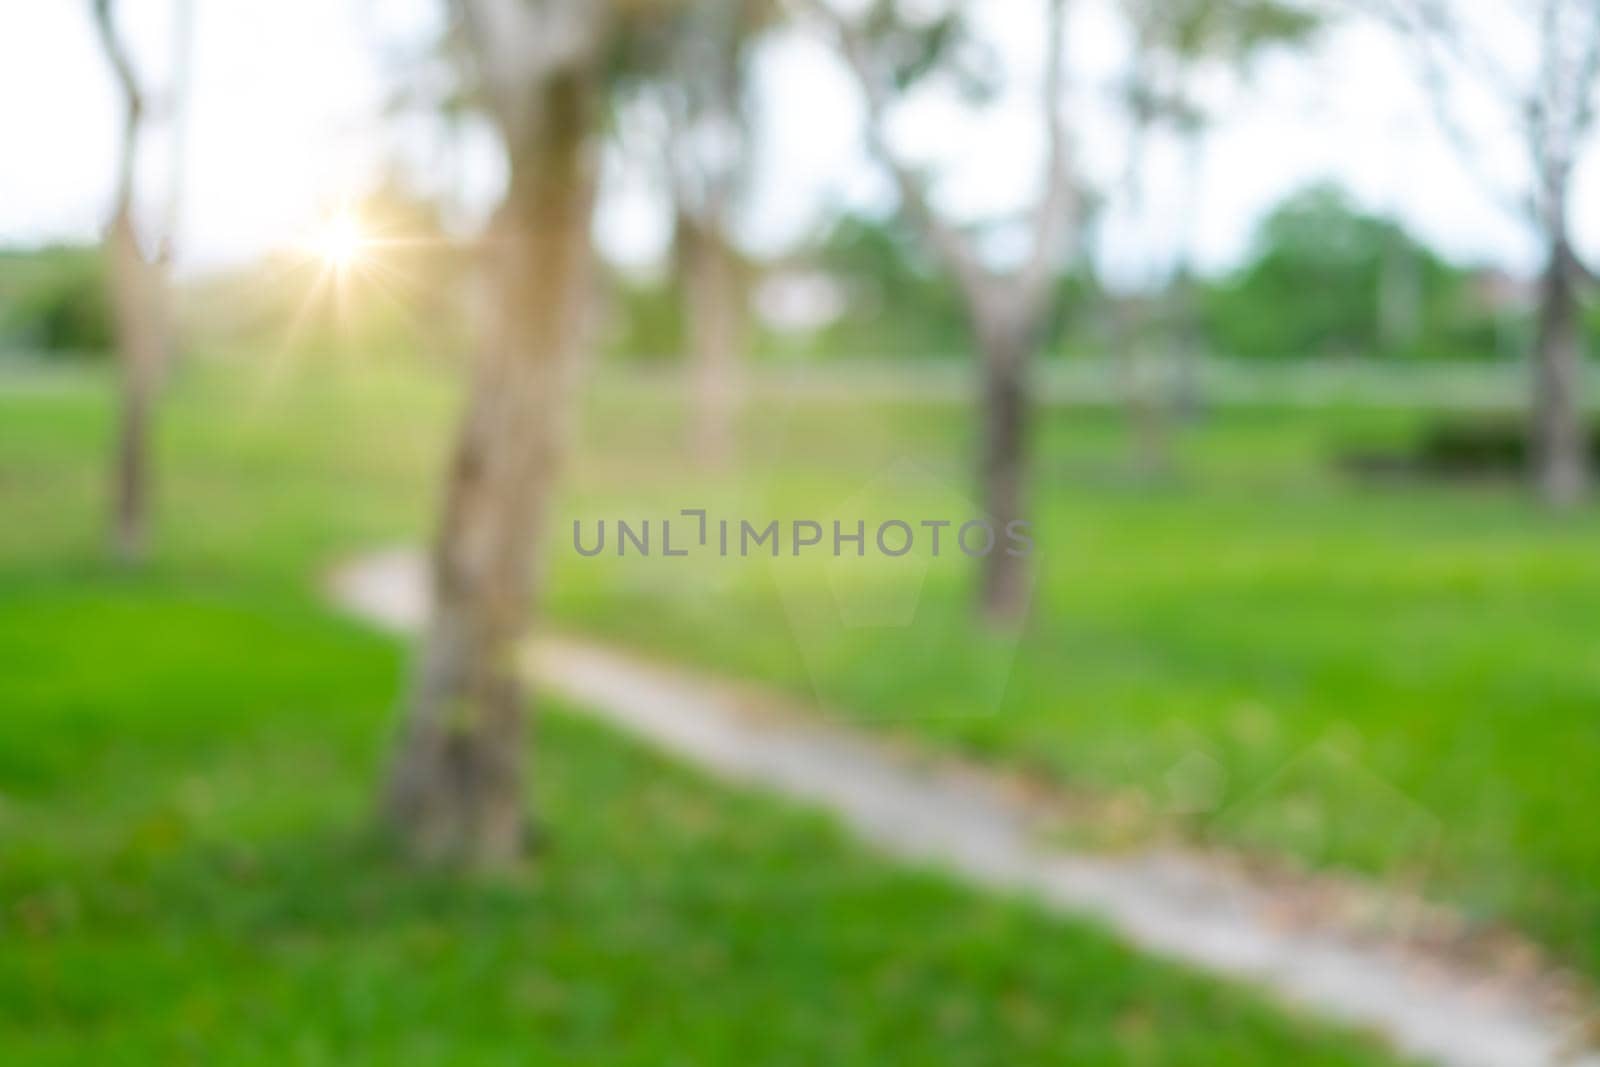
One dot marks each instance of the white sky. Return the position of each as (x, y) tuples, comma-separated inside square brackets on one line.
[(287, 118)]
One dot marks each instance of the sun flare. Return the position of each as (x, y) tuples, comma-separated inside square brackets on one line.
[(344, 243)]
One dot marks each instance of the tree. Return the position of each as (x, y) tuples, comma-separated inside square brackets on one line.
[(1317, 284), (455, 792), (1146, 417), (137, 272), (889, 50), (1175, 43), (703, 99), (1548, 103)]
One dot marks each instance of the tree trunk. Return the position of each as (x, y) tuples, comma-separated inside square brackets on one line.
[(138, 300), (1560, 435), (1187, 399), (1006, 426), (1141, 402), (1188, 345), (715, 331), (456, 789), (1399, 296)]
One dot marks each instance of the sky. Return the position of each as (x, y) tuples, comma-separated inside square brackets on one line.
[(289, 115)]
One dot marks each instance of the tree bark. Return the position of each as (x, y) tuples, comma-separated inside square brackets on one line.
[(138, 299), (1006, 348), (138, 292), (455, 792), (1560, 434), (715, 332)]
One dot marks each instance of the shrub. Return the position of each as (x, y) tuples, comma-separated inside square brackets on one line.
[(54, 300)]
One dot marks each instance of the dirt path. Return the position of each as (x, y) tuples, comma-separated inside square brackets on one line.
[(1171, 903)]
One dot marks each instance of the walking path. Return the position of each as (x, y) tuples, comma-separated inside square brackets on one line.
[(1170, 903)]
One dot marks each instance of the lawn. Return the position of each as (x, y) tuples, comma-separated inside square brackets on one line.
[(1397, 679), (187, 760)]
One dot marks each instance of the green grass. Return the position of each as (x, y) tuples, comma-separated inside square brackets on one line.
[(1398, 680), (187, 761)]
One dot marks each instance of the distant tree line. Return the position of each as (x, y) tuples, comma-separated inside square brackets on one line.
[(1323, 279)]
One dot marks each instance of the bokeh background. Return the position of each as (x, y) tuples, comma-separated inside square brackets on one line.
[(1291, 299)]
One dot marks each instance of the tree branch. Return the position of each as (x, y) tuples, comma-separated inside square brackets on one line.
[(1010, 299), (1056, 202), (1425, 26), (1428, 19), (519, 43), (183, 53), (133, 103), (949, 243), (1588, 78)]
